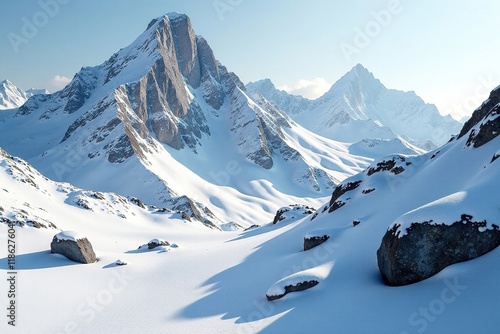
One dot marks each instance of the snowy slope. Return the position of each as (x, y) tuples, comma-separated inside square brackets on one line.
[(167, 117), (358, 106), (13, 97), (217, 282), (376, 148), (30, 199)]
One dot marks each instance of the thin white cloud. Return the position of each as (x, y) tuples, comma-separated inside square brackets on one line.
[(311, 89), (58, 82)]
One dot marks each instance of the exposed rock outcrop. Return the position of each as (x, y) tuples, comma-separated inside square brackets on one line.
[(389, 165), (292, 212), (482, 112), (427, 248), (313, 241), (340, 190)]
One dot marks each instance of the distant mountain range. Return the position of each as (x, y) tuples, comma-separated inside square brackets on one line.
[(358, 106), (12, 96)]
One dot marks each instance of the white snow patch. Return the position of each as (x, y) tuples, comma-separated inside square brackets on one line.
[(70, 235), (448, 210)]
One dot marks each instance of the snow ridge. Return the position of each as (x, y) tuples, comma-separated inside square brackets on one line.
[(358, 106)]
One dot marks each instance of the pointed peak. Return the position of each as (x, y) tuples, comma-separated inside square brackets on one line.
[(359, 73), (360, 70), (170, 17), (358, 77), (360, 67)]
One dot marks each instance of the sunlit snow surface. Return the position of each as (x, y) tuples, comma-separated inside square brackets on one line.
[(216, 282), (69, 236)]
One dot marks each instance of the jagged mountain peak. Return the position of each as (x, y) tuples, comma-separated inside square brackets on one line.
[(358, 106), (156, 109), (360, 72), (358, 83), (12, 96)]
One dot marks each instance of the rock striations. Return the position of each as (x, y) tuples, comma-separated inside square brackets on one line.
[(164, 97)]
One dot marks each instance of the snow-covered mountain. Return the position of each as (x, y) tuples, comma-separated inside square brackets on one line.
[(167, 117), (358, 106), (36, 91), (31, 199), (13, 97), (222, 282)]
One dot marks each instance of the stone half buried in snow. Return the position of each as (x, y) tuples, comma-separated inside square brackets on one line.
[(311, 240), (121, 262), (152, 244), (299, 281), (74, 246), (340, 190), (426, 248), (299, 286)]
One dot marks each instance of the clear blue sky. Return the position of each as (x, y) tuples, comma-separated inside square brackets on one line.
[(447, 51)]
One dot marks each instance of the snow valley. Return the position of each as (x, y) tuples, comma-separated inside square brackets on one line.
[(158, 193)]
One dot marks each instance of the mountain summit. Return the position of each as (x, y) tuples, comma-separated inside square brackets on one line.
[(358, 106), (167, 117), (12, 96)]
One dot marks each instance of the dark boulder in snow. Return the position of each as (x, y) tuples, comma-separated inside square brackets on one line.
[(73, 246), (313, 241), (121, 262), (427, 248), (292, 212), (341, 189)]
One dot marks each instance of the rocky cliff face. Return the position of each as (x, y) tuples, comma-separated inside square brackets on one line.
[(158, 104), (164, 94), (485, 121)]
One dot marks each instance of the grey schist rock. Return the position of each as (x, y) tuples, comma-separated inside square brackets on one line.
[(73, 246)]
